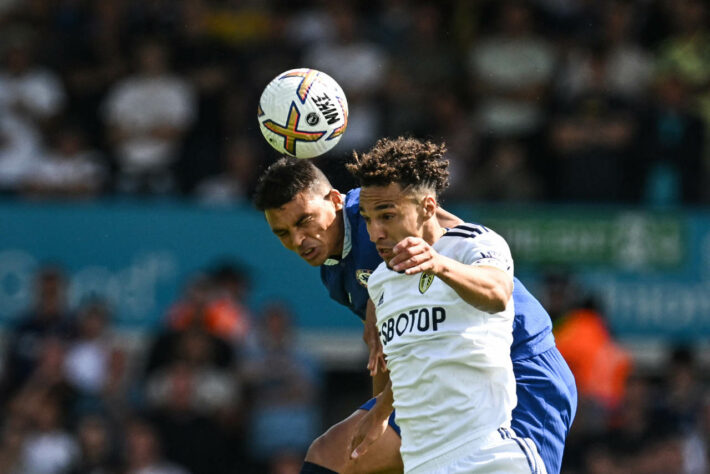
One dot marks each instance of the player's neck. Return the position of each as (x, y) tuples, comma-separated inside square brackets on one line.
[(432, 230)]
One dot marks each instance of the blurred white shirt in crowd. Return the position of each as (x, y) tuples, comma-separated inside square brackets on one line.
[(49, 453), (140, 105)]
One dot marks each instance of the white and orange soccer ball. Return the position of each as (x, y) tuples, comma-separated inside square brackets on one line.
[(303, 113)]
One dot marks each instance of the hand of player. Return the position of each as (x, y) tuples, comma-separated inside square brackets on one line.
[(414, 255), (369, 429)]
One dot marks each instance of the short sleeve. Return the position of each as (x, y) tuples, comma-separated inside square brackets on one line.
[(481, 246)]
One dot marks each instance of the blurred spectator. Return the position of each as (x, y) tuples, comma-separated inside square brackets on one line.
[(359, 66), (236, 182), (599, 364), (685, 50), (144, 452), (283, 386), (591, 138), (12, 436), (29, 92), (627, 68), (216, 304), (30, 96), (193, 383), (48, 318), (505, 174), (87, 359), (146, 116), (19, 145), (48, 448), (678, 408), (511, 69), (559, 294), (92, 36), (68, 169), (98, 453), (454, 128), (412, 78), (186, 324), (186, 403), (669, 156)]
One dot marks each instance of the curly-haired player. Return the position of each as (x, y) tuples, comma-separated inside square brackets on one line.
[(325, 228), (445, 311)]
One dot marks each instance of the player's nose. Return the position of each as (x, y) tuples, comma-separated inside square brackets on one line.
[(297, 238), (376, 232)]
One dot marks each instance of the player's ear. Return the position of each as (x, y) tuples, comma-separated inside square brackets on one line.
[(337, 199), (429, 206)]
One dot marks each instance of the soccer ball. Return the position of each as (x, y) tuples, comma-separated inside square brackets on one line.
[(303, 113)]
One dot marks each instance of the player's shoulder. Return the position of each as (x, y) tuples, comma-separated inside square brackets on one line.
[(352, 197), (467, 230), (379, 274), (469, 233), (470, 236), (352, 203)]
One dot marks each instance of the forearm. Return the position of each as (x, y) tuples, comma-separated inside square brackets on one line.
[(379, 382), (376, 362), (385, 401), (486, 288), (381, 378)]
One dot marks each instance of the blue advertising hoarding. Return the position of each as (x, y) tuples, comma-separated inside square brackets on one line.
[(651, 270)]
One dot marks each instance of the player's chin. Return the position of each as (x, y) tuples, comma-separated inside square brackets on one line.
[(315, 259)]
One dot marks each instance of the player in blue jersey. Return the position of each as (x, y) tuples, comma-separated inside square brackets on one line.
[(325, 228)]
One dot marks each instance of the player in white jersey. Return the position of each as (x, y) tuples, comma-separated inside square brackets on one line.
[(445, 316)]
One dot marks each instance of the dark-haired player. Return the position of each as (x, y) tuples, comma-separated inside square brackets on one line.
[(445, 316), (325, 228)]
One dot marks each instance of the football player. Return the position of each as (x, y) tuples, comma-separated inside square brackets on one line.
[(326, 229)]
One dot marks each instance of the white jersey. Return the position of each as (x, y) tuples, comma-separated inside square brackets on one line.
[(449, 362)]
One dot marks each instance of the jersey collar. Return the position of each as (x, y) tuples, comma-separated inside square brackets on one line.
[(347, 242)]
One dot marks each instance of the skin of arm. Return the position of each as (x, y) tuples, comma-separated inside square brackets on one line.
[(376, 362), (373, 424), (486, 288)]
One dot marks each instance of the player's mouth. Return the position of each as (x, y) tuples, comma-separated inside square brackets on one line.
[(385, 252), (309, 253)]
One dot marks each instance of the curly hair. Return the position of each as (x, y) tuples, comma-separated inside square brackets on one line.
[(411, 163), (283, 180)]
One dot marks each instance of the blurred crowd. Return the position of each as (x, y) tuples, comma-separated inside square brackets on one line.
[(574, 100), (220, 388), (593, 101), (216, 389)]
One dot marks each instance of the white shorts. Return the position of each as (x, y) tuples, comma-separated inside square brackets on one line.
[(501, 452)]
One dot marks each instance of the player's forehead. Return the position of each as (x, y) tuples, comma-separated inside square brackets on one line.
[(374, 198), (307, 201)]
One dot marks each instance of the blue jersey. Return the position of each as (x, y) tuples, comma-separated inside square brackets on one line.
[(346, 277), (346, 280)]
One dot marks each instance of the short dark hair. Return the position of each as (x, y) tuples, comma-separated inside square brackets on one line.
[(283, 180), (407, 161)]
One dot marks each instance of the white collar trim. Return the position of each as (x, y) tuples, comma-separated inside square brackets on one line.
[(347, 241)]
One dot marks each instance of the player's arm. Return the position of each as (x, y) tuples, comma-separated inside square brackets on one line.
[(446, 219), (488, 288), (376, 360), (373, 425)]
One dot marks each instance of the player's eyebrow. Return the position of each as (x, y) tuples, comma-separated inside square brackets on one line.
[(380, 207), (301, 218)]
